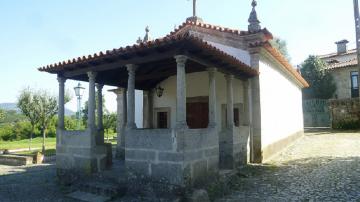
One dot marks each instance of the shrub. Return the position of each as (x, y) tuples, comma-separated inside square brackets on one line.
[(347, 125), (6, 132)]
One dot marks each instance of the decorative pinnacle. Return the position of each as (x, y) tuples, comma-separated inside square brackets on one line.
[(254, 3), (146, 37), (254, 23)]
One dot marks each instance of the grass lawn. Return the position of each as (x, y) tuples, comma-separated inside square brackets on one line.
[(50, 143)]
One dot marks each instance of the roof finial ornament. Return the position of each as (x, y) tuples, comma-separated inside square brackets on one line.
[(194, 18), (254, 23), (146, 37)]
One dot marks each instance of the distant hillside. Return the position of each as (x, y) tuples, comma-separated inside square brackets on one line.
[(12, 106)]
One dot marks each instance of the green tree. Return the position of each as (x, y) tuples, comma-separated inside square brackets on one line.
[(39, 107), (281, 45), (28, 103), (322, 85), (109, 120), (2, 115)]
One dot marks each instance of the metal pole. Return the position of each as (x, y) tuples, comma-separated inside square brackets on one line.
[(357, 29)]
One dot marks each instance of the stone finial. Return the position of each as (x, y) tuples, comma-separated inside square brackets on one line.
[(254, 23), (147, 35), (194, 18)]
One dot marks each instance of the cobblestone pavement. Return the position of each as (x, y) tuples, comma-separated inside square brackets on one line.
[(29, 184), (322, 166)]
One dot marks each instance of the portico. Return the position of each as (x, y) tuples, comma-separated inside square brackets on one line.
[(164, 145)]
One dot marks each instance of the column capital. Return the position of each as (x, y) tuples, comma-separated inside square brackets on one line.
[(99, 86), (92, 75), (181, 59), (118, 91), (131, 67), (229, 77), (211, 69), (61, 79)]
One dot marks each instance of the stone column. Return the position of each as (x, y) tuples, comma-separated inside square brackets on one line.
[(212, 97), (246, 119), (121, 121), (131, 96), (229, 100), (61, 112), (100, 124), (91, 101), (148, 109), (181, 92)]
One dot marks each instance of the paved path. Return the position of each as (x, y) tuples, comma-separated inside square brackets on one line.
[(29, 184), (322, 166)]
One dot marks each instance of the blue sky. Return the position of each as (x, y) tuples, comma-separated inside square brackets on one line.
[(39, 32)]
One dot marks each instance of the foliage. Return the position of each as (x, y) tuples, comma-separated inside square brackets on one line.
[(347, 125), (86, 107), (322, 85), (12, 116), (281, 45), (109, 120), (2, 115), (39, 107)]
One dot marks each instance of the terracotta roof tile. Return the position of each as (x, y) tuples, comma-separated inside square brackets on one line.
[(219, 28), (150, 44), (349, 63)]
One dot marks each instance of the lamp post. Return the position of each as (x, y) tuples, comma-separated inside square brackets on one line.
[(79, 92)]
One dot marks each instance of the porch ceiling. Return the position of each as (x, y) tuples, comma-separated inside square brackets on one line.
[(155, 62)]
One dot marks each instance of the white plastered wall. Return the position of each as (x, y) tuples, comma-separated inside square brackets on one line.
[(197, 84), (281, 103)]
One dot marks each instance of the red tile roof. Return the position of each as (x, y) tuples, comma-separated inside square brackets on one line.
[(349, 63), (61, 66), (330, 55), (219, 28)]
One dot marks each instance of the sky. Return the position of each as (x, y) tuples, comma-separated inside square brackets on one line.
[(35, 33)]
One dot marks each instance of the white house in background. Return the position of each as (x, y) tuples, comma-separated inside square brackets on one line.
[(343, 66), (214, 98)]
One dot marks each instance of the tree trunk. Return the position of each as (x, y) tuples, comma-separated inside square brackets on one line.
[(43, 144), (31, 134)]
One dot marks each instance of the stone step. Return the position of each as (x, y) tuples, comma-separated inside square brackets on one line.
[(103, 188), (88, 197)]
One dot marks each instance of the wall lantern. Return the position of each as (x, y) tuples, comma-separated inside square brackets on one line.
[(159, 91)]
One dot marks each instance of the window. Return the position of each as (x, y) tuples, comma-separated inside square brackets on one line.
[(162, 117), (354, 84), (236, 117)]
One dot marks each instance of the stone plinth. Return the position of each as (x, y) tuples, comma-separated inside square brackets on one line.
[(177, 158)]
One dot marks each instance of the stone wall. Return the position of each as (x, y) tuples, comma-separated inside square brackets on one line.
[(343, 82), (234, 147), (345, 113), (173, 157), (75, 154)]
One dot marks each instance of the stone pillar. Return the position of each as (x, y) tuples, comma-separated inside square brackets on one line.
[(121, 121), (246, 119), (181, 92), (229, 100), (131, 96), (212, 97), (100, 124), (61, 112), (148, 109), (255, 140), (91, 101)]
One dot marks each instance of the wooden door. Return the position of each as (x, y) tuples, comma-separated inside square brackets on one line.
[(197, 114)]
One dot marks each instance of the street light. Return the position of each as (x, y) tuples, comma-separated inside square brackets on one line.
[(79, 92)]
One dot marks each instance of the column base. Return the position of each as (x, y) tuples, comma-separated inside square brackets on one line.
[(181, 125), (131, 126)]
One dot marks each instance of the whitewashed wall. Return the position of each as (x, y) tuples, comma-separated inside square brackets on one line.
[(281, 104), (197, 85)]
